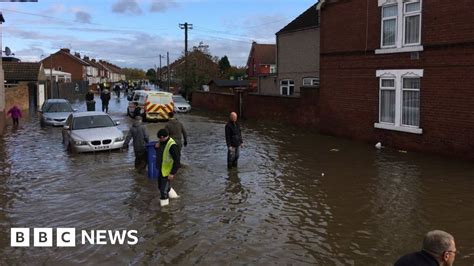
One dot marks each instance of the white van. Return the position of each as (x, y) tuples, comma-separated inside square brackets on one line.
[(151, 105)]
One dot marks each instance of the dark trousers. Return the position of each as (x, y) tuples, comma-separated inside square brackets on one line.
[(164, 185), (140, 160), (90, 105), (15, 121), (232, 157), (105, 107)]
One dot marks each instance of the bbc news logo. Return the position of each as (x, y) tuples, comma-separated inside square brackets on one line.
[(66, 237)]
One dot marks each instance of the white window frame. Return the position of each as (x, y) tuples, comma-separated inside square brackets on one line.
[(381, 28), (411, 14), (287, 86), (313, 81), (398, 75), (400, 46)]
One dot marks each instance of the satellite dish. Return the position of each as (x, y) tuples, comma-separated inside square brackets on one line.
[(8, 52)]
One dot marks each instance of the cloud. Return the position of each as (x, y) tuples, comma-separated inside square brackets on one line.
[(28, 35), (162, 5), (83, 17), (127, 6)]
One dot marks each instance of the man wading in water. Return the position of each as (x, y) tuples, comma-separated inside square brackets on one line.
[(233, 137)]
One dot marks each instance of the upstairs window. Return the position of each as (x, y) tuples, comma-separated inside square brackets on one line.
[(412, 25), (389, 25), (400, 26)]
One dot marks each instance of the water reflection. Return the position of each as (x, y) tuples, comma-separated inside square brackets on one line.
[(296, 198)]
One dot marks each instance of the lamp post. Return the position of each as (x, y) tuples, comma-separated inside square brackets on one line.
[(51, 76)]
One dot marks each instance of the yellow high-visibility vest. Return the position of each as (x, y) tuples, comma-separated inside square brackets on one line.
[(167, 163)]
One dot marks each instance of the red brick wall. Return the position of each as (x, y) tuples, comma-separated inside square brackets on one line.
[(299, 111), (349, 87), (67, 64), (18, 95), (214, 101)]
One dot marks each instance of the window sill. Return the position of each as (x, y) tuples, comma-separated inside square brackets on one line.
[(413, 130), (407, 49)]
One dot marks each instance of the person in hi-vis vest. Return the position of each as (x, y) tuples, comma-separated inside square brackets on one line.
[(167, 164)]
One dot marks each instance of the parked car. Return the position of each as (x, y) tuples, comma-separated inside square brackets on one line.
[(54, 112), (180, 104), (91, 131)]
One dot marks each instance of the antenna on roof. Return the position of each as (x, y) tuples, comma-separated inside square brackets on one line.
[(8, 52)]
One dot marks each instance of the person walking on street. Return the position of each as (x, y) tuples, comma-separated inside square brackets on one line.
[(140, 138), (167, 164), (15, 114), (105, 97), (233, 138), (438, 249), (90, 102), (176, 130)]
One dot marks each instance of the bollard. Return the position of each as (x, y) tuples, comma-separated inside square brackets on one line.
[(151, 159)]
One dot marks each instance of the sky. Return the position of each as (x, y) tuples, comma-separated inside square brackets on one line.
[(134, 33)]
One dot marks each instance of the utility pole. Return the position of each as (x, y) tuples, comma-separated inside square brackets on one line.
[(161, 56), (168, 68), (186, 26)]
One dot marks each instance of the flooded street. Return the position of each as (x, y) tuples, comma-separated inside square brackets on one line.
[(296, 198)]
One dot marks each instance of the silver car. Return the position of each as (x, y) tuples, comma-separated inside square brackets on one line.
[(54, 112), (180, 104), (91, 131)]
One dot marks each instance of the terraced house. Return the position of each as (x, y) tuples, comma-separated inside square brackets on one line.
[(399, 72)]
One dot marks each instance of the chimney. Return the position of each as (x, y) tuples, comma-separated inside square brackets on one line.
[(86, 58), (66, 50), (93, 60), (77, 54)]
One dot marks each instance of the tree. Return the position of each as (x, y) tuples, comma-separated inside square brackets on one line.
[(133, 73), (151, 75), (224, 64)]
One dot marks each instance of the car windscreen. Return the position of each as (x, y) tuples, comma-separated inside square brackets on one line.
[(159, 98), (179, 100), (57, 107), (93, 121)]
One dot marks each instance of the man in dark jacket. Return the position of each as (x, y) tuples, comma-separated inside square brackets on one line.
[(176, 129), (105, 97), (90, 101), (140, 139), (167, 163), (233, 138), (438, 249)]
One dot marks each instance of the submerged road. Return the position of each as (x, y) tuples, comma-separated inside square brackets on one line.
[(296, 198)]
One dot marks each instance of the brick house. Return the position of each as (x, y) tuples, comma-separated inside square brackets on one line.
[(24, 84), (63, 60), (399, 72), (298, 53), (261, 62)]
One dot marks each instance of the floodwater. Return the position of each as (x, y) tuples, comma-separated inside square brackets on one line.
[(297, 198)]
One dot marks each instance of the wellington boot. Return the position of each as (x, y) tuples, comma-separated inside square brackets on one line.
[(173, 194), (164, 202)]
